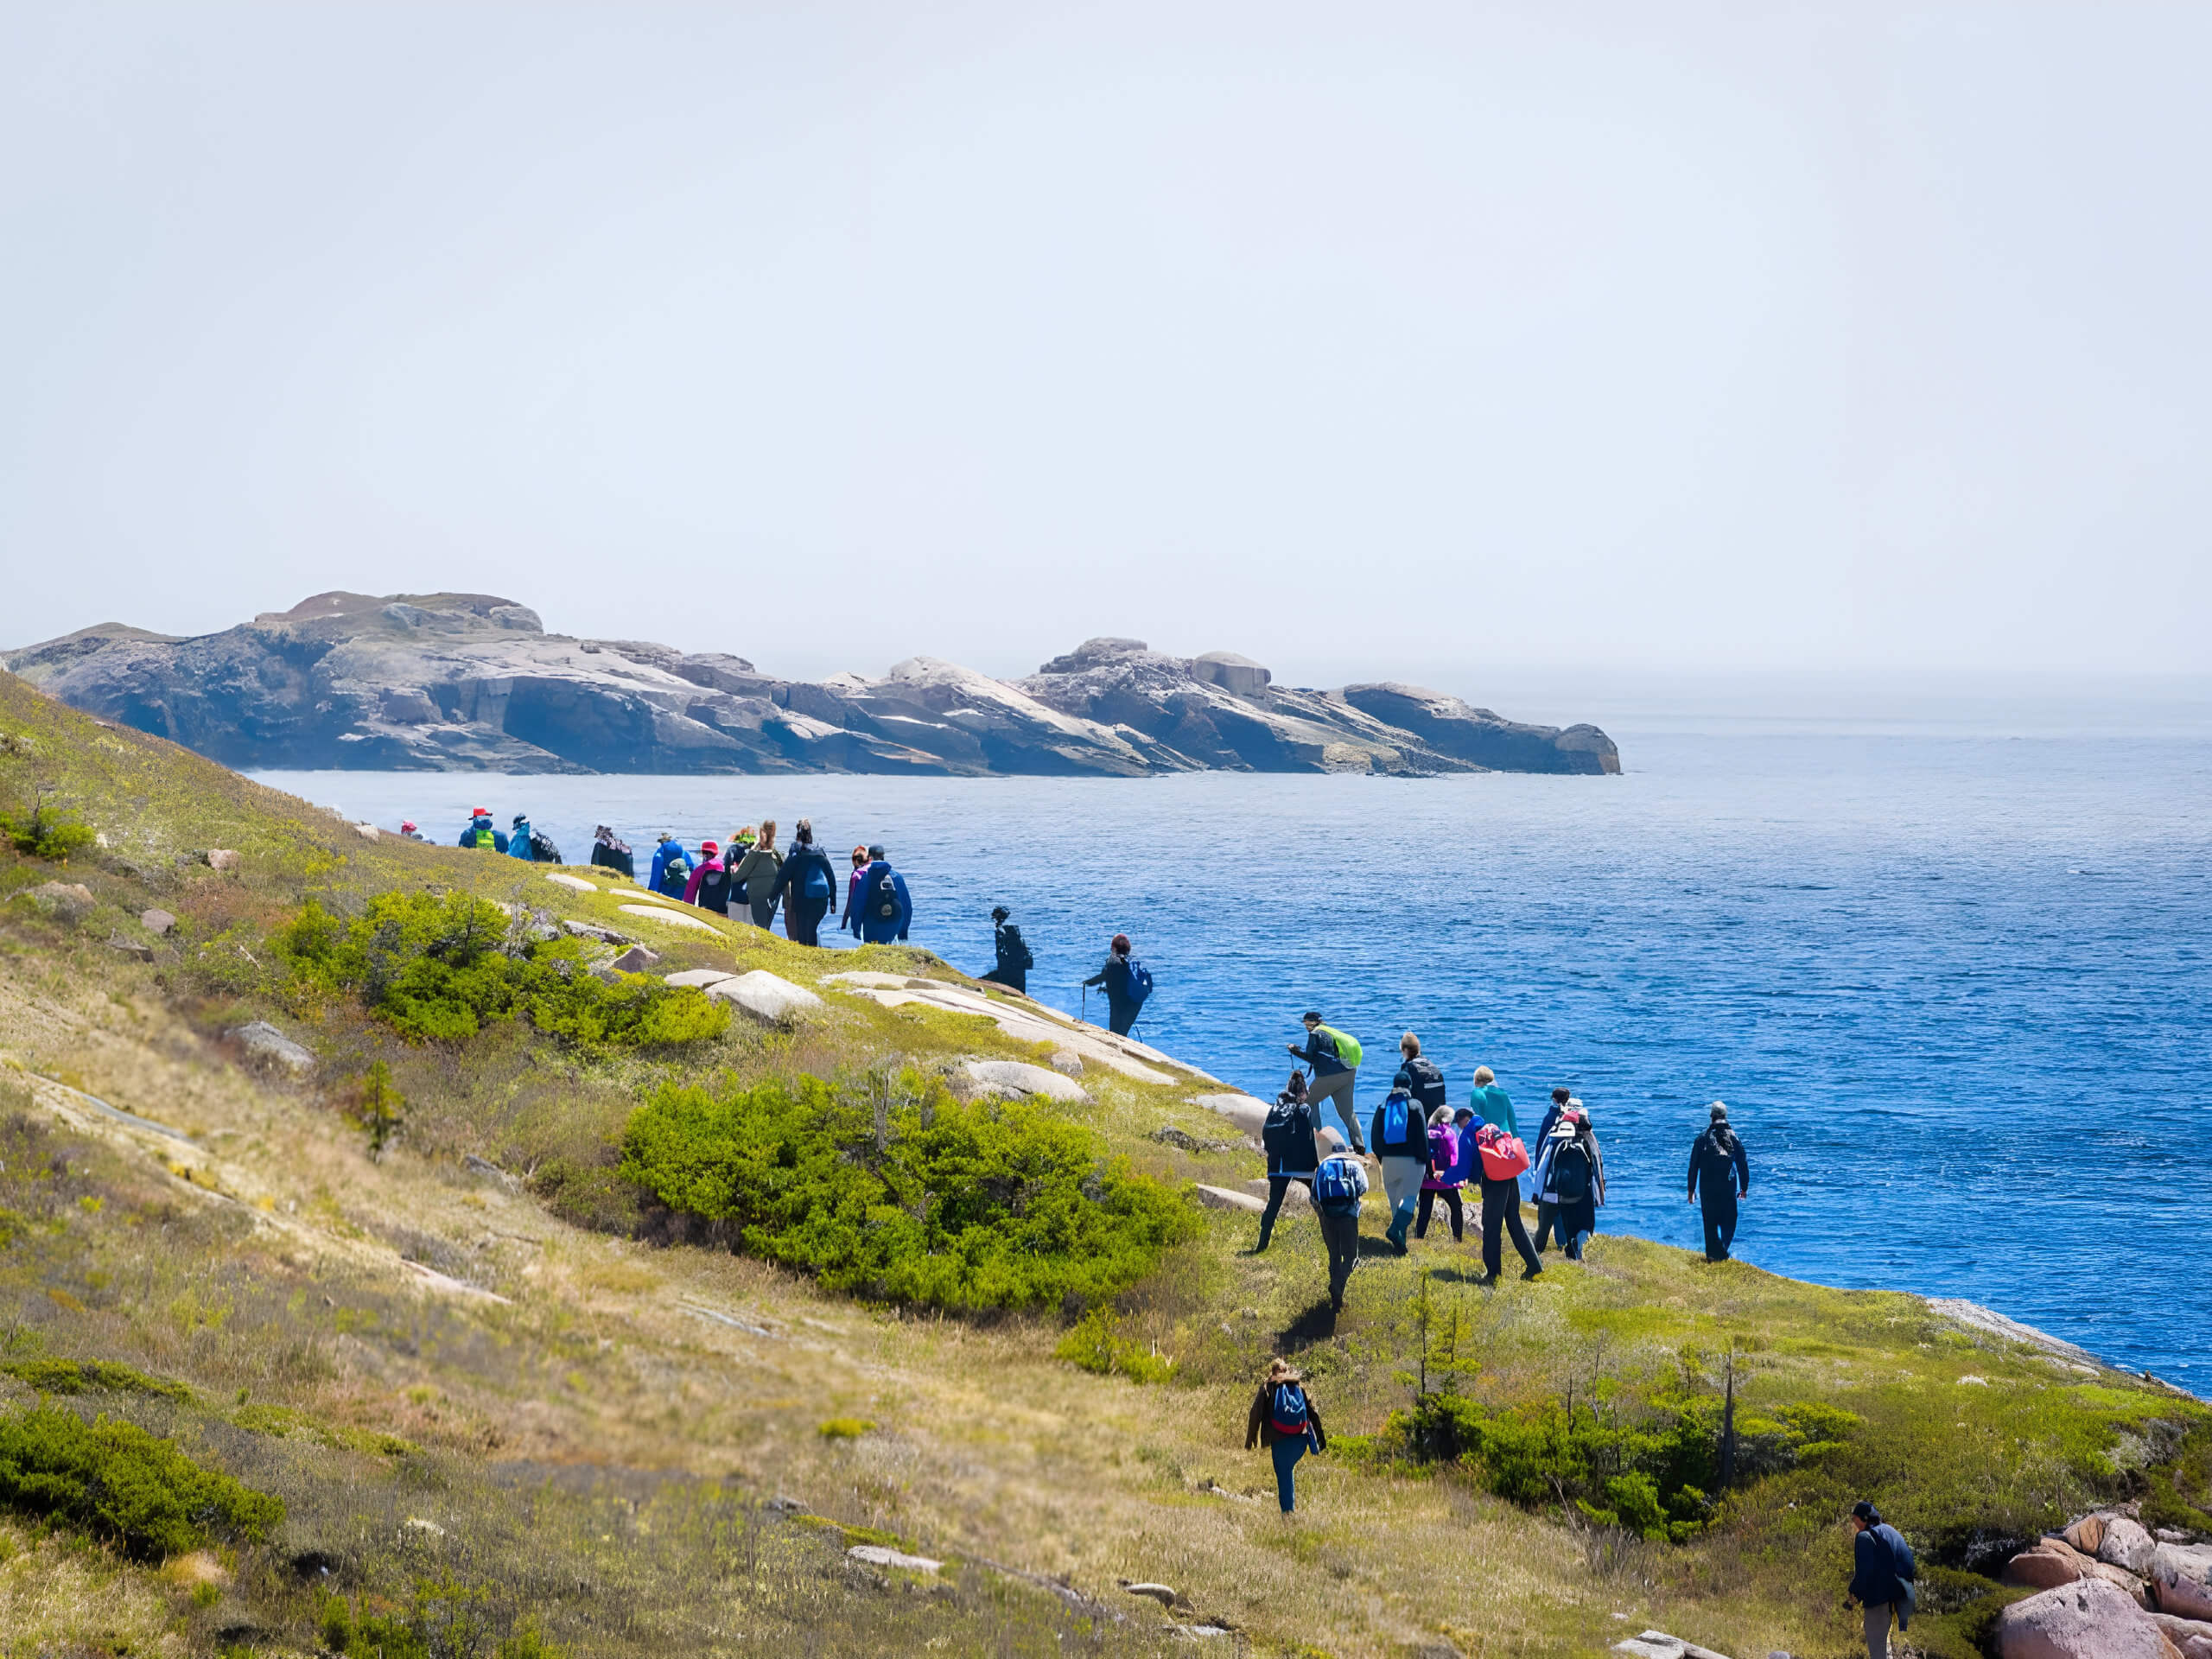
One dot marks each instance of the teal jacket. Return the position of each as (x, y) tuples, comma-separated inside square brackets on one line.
[(1494, 1106)]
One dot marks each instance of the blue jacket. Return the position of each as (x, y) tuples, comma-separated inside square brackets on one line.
[(1467, 1171), (662, 854), (1321, 1053), (483, 827), (882, 930), (518, 841), (1879, 1559)]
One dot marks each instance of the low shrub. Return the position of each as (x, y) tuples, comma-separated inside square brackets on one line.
[(845, 1428), (117, 1482), (444, 1622), (44, 831), (1097, 1342), (84, 1375), (440, 968), (928, 1200)]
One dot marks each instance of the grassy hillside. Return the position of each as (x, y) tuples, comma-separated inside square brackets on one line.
[(510, 1402)]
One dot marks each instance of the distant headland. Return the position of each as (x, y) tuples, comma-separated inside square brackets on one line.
[(469, 682)]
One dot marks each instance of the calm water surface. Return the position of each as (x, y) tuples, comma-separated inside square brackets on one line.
[(1954, 988)]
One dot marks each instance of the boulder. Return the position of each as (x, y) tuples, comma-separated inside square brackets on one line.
[(1067, 1062), (1247, 1113), (1025, 1079), (138, 948), (2181, 1579), (2126, 1544), (766, 996), (1238, 675), (1162, 1594), (270, 1047), (2087, 1534), (574, 883), (1294, 1195), (700, 978), (879, 1555), (65, 901), (635, 960), (592, 930), (1220, 1198), (157, 922), (365, 831), (1657, 1644), (2090, 1619), (2049, 1565), (672, 918), (222, 858)]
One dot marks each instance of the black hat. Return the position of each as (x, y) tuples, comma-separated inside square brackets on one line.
[(1311, 1015), (1866, 1512), (999, 913)]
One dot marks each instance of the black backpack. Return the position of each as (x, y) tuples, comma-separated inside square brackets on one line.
[(1288, 1134), (542, 849), (1571, 1172), (883, 898), (1013, 952), (1425, 1081)]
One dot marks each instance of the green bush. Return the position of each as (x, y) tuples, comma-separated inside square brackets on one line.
[(444, 1622), (83, 1375), (929, 1201), (45, 832), (1097, 1342), (116, 1481), (442, 968)]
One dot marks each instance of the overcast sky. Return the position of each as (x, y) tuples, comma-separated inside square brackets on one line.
[(1360, 339)]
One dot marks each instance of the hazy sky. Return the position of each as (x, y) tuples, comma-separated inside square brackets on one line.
[(1358, 339)]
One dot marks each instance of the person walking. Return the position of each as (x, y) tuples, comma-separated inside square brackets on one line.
[(1492, 1101), (1294, 1152), (1400, 1144), (1014, 958), (884, 911), (1338, 1185), (1883, 1569), (1334, 1058), (852, 890), (1718, 1164), (709, 887), (1285, 1420), (1546, 1213), (1125, 982), (806, 884), (1504, 1159), (757, 875), (608, 852), (1573, 1179), (1442, 1179), (1423, 1078)]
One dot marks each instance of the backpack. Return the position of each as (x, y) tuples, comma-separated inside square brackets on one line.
[(883, 898), (817, 887), (1396, 1111), (1288, 1409), (1571, 1172), (1288, 1133), (673, 878), (1504, 1156), (1427, 1081), (1015, 950), (1333, 1187), (1348, 1048), (1140, 981), (542, 849)]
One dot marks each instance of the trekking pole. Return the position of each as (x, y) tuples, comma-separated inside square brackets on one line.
[(1086, 1006)]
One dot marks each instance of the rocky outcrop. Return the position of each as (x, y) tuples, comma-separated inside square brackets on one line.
[(469, 682), (2090, 1619)]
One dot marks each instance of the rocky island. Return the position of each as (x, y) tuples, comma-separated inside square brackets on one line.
[(471, 682)]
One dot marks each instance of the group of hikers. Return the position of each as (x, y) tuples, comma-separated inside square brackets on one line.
[(1428, 1153)]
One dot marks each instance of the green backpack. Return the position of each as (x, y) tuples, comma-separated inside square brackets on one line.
[(1348, 1048)]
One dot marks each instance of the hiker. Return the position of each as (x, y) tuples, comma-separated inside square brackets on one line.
[(1717, 1160), (1882, 1572), (1572, 1178), (669, 847), (1338, 1185), (1293, 1152), (758, 873), (741, 843), (519, 837), (1284, 1419), (1015, 958), (1503, 1160), (609, 853), (1423, 1078), (1126, 981), (676, 875), (1492, 1101), (407, 829), (1334, 1058), (480, 833), (806, 884), (709, 887), (1546, 1213), (1401, 1143), (884, 911), (1443, 1160), (853, 888)]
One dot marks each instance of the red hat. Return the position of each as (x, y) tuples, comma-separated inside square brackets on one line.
[(479, 811), (709, 847), (407, 825)]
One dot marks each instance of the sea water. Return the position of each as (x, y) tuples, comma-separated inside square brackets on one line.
[(1954, 985)]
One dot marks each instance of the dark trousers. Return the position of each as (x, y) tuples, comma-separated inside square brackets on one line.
[(764, 911), (1121, 1015), (1719, 1225), (1277, 1186), (1573, 1222), (1546, 1215), (1341, 1235), (802, 917), (1014, 979), (1428, 1197), (1502, 1209), (1286, 1451)]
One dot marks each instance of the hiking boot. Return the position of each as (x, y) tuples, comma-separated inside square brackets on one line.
[(1532, 1271), (1488, 1282)]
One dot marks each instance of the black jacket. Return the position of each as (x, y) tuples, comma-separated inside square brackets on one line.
[(1012, 952), (1720, 1164), (803, 857), (1423, 1080), (1416, 1142), (1880, 1560), (1288, 1136)]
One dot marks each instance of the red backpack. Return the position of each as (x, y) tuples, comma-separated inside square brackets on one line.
[(1504, 1156)]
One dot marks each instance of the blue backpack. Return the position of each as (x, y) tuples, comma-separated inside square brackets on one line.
[(818, 881), (1332, 1186), (1140, 981), (1289, 1409), (1396, 1110)]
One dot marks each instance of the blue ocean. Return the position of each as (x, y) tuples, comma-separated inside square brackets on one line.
[(1952, 976)]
